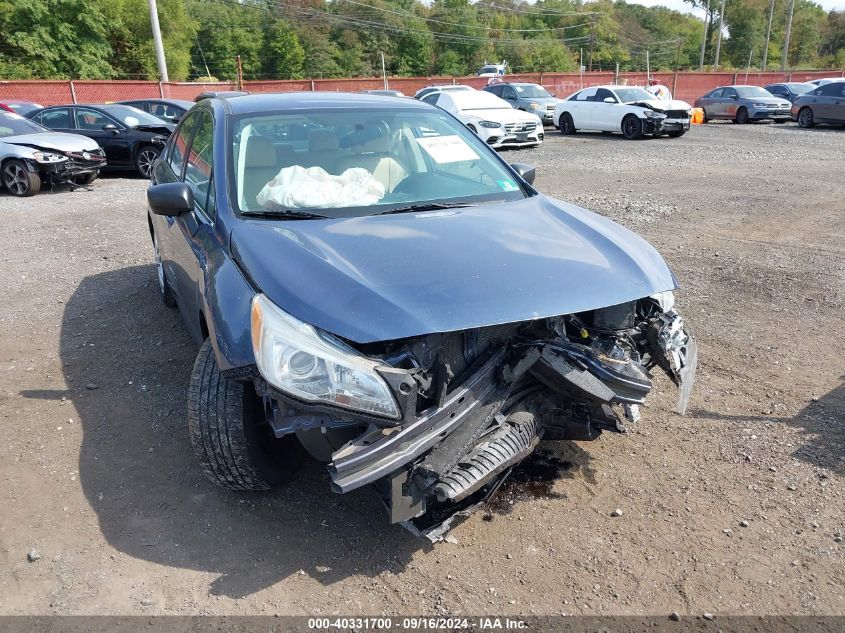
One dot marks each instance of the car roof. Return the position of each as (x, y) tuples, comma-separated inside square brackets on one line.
[(270, 102), (180, 102)]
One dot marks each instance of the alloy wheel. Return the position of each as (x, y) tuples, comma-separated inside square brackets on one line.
[(14, 177), (145, 161), (805, 118)]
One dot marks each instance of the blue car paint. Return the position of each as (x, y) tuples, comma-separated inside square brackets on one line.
[(395, 276), (389, 277)]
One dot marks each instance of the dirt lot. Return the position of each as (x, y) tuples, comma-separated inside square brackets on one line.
[(98, 478)]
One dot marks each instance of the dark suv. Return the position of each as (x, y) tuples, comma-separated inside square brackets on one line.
[(394, 299)]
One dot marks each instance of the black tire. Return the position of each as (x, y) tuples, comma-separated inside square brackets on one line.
[(706, 119), (805, 117), (567, 124), (18, 180), (144, 159), (742, 116), (779, 121), (632, 127), (472, 128), (166, 292), (676, 133), (234, 446), (86, 179)]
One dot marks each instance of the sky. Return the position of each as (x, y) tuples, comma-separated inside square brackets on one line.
[(680, 5)]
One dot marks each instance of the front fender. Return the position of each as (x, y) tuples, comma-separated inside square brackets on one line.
[(227, 301)]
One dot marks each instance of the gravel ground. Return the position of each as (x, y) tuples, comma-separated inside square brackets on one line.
[(736, 508)]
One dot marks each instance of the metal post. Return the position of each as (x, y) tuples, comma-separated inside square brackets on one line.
[(704, 40), (581, 70), (647, 68), (592, 42), (162, 63), (616, 75), (72, 92), (240, 74), (768, 35), (719, 37), (785, 59)]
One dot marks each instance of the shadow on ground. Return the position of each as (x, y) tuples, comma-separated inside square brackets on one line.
[(822, 422), (127, 360)]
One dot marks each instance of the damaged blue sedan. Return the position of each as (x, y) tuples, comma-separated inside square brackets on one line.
[(372, 285)]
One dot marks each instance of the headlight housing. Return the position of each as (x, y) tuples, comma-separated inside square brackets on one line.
[(491, 124), (313, 366), (534, 106), (758, 105), (46, 157), (651, 114)]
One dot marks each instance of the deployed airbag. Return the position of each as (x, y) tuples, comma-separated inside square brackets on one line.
[(314, 188)]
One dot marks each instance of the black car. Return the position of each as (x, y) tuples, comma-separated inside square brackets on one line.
[(219, 94), (825, 104), (790, 90), (130, 137), (170, 110), (396, 300)]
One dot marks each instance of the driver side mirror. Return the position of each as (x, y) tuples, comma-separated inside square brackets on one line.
[(111, 127), (526, 172), (609, 100), (171, 199)]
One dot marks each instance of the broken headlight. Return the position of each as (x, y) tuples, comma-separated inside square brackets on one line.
[(313, 366), (651, 114)]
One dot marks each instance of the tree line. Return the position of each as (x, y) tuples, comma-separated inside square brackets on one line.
[(291, 39)]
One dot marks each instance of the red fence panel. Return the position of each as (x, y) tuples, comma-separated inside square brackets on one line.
[(687, 86), (42, 92)]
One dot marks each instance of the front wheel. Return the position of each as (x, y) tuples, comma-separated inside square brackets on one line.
[(805, 117), (632, 127), (19, 181), (231, 438), (567, 124), (742, 116), (144, 160)]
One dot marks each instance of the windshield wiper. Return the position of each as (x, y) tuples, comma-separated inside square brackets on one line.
[(424, 206), (284, 214)]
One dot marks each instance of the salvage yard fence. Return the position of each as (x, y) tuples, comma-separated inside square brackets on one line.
[(687, 86)]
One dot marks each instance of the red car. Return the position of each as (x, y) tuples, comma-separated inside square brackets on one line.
[(19, 107)]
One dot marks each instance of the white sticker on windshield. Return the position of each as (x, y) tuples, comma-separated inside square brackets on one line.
[(447, 149)]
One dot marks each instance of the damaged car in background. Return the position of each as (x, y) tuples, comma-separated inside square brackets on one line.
[(32, 156), (396, 300), (631, 110)]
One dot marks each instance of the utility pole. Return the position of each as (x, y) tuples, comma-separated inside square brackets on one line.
[(748, 68), (581, 69), (383, 71), (647, 68), (162, 63), (704, 40), (785, 59), (592, 41), (768, 35), (240, 74), (719, 37)]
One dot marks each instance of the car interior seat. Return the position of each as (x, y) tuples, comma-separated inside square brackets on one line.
[(260, 166), (376, 156), (323, 150)]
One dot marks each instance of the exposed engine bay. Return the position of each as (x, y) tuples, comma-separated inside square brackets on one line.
[(475, 403)]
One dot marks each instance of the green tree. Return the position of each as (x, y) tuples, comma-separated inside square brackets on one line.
[(284, 55)]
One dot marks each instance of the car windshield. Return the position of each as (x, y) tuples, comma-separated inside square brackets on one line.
[(12, 124), (132, 117), (750, 92), (531, 92), (359, 162), (800, 88), (627, 95)]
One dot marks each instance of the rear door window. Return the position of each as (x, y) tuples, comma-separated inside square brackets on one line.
[(198, 169), (58, 119), (179, 147)]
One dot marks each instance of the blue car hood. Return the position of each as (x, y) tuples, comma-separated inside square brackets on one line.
[(387, 277)]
